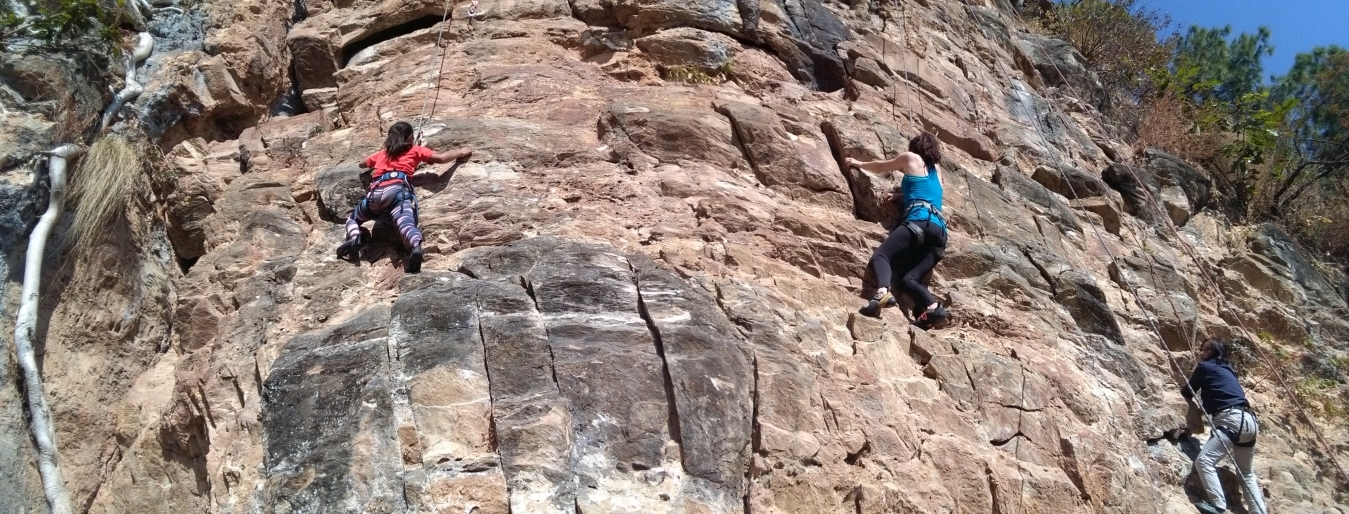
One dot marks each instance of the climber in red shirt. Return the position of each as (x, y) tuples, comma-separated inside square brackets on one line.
[(391, 192)]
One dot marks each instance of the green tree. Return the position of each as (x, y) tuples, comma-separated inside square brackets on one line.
[(1222, 69), (1317, 136), (1218, 81)]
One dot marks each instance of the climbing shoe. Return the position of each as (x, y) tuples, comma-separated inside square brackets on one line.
[(881, 300), (350, 250), (1208, 508), (414, 263), (931, 318)]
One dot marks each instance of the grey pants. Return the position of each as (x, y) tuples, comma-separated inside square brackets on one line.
[(1244, 424)]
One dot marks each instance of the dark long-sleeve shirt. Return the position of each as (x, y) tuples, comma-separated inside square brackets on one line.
[(1217, 385)]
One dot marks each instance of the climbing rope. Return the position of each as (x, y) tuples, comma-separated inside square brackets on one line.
[(433, 78), (908, 36)]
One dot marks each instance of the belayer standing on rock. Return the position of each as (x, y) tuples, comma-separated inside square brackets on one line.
[(920, 238), (391, 192), (1223, 399)]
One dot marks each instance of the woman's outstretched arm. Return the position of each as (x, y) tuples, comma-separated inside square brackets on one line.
[(908, 162), (881, 165), (457, 154)]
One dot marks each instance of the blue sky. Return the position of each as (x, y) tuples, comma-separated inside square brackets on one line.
[(1295, 26)]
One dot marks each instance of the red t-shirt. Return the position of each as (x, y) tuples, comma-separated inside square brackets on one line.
[(407, 162)]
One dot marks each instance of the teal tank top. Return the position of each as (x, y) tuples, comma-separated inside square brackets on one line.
[(927, 189)]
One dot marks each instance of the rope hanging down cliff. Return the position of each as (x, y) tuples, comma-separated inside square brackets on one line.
[(906, 38), (433, 79)]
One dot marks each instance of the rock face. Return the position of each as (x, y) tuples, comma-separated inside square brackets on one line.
[(545, 374), (641, 293)]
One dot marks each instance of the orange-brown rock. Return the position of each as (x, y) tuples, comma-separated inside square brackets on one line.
[(640, 292)]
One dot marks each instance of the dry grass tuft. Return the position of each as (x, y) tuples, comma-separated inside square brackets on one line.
[(101, 186)]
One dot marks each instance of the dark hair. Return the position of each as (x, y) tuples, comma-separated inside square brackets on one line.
[(926, 146), (1219, 348), (399, 140)]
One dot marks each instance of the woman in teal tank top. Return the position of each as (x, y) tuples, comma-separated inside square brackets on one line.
[(919, 240)]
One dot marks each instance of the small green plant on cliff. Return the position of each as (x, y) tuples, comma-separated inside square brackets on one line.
[(1323, 396), (63, 24)]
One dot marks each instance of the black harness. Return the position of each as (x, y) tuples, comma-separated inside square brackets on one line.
[(919, 234), (1235, 435)]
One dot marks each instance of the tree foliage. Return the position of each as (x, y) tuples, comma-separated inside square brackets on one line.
[(1309, 184), (74, 24), (1230, 69), (1118, 38), (1276, 151), (1319, 82)]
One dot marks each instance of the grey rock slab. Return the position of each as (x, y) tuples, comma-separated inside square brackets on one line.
[(1059, 64), (1085, 302), (1136, 186), (531, 143), (488, 335), (977, 259), (977, 207), (1174, 171), (686, 46), (646, 16), (340, 189), (326, 415), (849, 137), (1040, 197), (1148, 271), (1041, 129), (604, 358), (1071, 183), (805, 35), (670, 132), (785, 391), (507, 263), (1275, 246), (710, 376)]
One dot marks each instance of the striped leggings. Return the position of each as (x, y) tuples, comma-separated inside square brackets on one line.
[(394, 199)]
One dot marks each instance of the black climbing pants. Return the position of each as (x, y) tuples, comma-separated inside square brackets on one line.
[(901, 247)]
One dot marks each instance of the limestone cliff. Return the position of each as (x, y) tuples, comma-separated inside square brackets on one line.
[(640, 295)]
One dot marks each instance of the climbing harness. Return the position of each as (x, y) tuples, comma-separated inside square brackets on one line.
[(1235, 435), (920, 235), (390, 177)]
